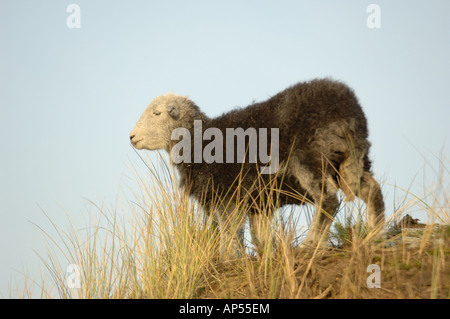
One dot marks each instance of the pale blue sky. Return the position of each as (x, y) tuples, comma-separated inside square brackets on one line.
[(70, 97)]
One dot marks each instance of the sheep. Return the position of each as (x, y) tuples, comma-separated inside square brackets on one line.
[(322, 146)]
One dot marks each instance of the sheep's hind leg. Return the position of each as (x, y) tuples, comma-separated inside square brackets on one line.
[(325, 210), (323, 192)]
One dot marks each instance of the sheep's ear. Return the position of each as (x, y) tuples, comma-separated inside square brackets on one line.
[(173, 111)]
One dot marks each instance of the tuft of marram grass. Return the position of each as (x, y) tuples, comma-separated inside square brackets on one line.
[(159, 244)]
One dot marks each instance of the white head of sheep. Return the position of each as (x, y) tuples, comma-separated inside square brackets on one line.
[(153, 130)]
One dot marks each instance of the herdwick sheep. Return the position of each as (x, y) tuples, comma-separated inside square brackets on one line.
[(322, 147)]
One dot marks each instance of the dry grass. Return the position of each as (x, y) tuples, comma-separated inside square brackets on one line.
[(168, 249)]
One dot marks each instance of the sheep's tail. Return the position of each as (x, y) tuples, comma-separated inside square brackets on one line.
[(351, 170), (347, 150), (356, 179)]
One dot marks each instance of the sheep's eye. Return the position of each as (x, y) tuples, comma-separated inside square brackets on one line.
[(157, 113)]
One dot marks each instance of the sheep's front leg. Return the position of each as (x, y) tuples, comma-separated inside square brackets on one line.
[(260, 232), (231, 235)]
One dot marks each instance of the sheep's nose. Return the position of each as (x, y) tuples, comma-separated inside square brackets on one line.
[(131, 137)]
